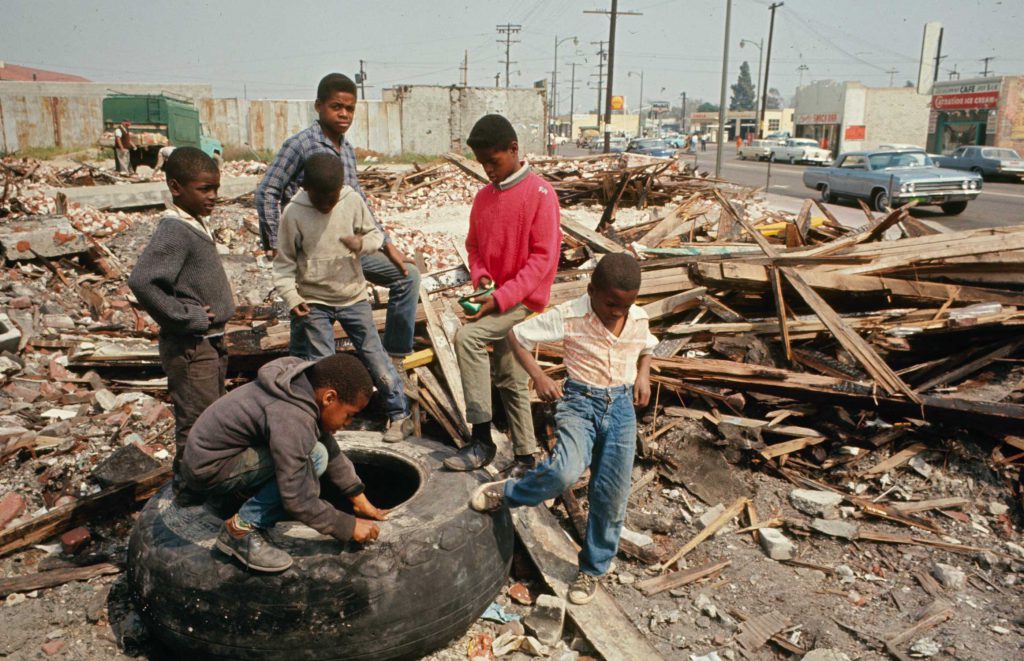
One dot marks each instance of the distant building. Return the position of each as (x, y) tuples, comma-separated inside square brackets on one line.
[(742, 123), (979, 111), (10, 71), (849, 116)]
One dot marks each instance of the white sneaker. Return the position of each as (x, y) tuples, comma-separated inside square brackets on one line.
[(488, 497)]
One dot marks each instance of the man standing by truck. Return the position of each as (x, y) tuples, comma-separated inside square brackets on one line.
[(122, 148)]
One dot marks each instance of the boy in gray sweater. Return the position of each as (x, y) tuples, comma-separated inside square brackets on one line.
[(324, 231), (272, 439), (180, 281)]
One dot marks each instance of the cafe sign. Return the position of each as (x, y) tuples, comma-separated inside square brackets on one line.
[(966, 95)]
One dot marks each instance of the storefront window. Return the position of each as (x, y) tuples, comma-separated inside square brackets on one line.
[(773, 125)]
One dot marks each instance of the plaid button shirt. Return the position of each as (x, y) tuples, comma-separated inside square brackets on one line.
[(284, 176)]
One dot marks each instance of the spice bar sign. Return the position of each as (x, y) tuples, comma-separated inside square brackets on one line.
[(968, 95), (818, 118)]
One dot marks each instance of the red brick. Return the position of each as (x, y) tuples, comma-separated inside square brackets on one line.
[(11, 507), (73, 540), (20, 302), (52, 647)]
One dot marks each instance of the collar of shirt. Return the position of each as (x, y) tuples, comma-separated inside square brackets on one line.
[(195, 223), (515, 177), (582, 308), (318, 132)]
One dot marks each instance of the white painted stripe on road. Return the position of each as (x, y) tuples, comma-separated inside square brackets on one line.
[(986, 193)]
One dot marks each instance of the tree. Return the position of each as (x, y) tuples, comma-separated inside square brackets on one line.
[(775, 100), (743, 90), (707, 107)]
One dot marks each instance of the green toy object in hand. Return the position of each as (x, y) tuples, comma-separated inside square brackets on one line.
[(471, 306)]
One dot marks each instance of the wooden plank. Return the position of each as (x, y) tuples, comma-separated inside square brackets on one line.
[(789, 447), (952, 502), (443, 404), (53, 578), (472, 168), (602, 621), (1010, 241), (666, 306), (780, 311), (597, 242), (724, 518), (933, 615), (445, 354), (755, 632), (109, 501), (896, 460), (673, 580), (971, 367)]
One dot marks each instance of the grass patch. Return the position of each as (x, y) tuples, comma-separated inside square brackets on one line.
[(246, 153), (80, 152)]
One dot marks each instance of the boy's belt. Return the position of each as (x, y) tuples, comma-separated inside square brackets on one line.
[(597, 391)]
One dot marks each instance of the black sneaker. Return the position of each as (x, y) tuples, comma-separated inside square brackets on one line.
[(254, 551), (474, 456), (583, 589)]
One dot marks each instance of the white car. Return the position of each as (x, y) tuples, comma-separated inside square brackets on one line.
[(800, 150), (758, 150)]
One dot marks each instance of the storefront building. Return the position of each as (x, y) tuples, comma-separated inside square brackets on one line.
[(742, 123), (980, 111)]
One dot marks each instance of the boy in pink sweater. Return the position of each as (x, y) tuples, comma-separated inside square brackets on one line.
[(513, 244)]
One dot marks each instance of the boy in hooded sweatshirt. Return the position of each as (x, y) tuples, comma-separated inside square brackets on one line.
[(324, 231), (272, 439)]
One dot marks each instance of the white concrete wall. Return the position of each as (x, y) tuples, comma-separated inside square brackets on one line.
[(854, 103), (896, 115), (821, 97)]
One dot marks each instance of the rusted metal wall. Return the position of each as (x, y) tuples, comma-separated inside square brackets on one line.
[(376, 125), (224, 119)]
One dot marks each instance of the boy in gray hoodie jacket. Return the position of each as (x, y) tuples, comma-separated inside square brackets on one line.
[(274, 437), (324, 231)]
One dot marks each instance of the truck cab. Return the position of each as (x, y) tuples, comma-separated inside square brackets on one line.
[(156, 120)]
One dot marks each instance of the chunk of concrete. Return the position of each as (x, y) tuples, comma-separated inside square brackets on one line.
[(123, 465), (836, 528), (776, 545), (10, 335), (41, 236), (547, 619), (11, 506), (825, 655), (821, 504), (710, 516), (949, 576)]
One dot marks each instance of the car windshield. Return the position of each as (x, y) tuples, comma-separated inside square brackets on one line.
[(905, 159), (651, 144), (1001, 154), (803, 143)]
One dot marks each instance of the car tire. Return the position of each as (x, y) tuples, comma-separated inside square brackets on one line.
[(742, 157), (880, 201), (771, 157), (954, 208), (826, 194), (435, 568), (792, 159)]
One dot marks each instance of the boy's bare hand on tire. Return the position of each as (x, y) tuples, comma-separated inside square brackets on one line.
[(362, 506), (365, 531)]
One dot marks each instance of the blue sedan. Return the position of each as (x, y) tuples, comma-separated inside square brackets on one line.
[(651, 147)]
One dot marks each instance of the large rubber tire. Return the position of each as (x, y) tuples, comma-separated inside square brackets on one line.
[(435, 568), (880, 201), (954, 208), (826, 194)]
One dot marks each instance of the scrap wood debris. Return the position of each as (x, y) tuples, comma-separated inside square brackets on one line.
[(875, 372)]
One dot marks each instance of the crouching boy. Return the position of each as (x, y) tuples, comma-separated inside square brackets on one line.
[(607, 348), (273, 437)]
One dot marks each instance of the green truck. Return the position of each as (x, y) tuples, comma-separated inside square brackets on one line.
[(156, 120)]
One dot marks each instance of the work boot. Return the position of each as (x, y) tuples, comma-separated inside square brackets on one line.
[(253, 549), (523, 464), (583, 589), (398, 430), (411, 391), (488, 497), (474, 456)]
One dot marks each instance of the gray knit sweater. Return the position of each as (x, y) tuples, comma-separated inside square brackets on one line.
[(178, 274)]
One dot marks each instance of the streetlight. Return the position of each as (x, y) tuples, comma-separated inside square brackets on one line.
[(757, 102), (554, 74), (640, 119)]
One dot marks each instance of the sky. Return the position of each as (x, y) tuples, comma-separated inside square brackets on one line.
[(260, 49)]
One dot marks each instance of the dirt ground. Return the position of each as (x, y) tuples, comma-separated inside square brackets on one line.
[(841, 595)]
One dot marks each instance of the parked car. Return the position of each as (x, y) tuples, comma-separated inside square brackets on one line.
[(678, 142), (989, 162), (615, 145), (757, 149), (650, 147), (800, 150), (778, 135), (891, 178)]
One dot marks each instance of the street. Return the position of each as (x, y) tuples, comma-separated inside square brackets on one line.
[(999, 204)]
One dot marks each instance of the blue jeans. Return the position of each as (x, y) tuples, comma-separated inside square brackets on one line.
[(595, 427), (255, 470), (312, 338), (403, 297)]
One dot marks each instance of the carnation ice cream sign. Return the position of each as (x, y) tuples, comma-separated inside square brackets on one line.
[(966, 95)]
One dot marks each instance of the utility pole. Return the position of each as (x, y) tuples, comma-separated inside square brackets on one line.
[(614, 13), (640, 107), (953, 73), (760, 67), (986, 60), (939, 57), (892, 76), (767, 65), (721, 97), (601, 54), (572, 98), (361, 79), (802, 68), (508, 30), (497, 79), (554, 76), (465, 68), (682, 115)]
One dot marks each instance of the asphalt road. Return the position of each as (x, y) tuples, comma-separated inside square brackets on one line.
[(999, 204)]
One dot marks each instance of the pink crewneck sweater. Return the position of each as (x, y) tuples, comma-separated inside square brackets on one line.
[(514, 238)]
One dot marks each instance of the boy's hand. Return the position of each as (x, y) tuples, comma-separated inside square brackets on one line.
[(362, 506), (485, 282), (365, 531), (397, 258), (487, 306), (642, 391), (300, 310), (353, 243), (547, 388)]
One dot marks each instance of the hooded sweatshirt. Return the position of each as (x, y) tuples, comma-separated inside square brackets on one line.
[(276, 411), (312, 264)]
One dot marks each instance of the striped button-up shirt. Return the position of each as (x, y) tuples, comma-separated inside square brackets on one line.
[(284, 176), (593, 354)]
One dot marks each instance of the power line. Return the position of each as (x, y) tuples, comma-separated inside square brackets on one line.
[(508, 29), (986, 60), (614, 14)]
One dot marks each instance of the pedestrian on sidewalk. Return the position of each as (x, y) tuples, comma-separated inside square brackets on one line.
[(607, 347), (703, 142), (325, 231), (388, 267), (180, 281), (513, 245)]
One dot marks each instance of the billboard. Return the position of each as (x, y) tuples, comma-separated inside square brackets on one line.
[(931, 44), (618, 102), (660, 107)]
